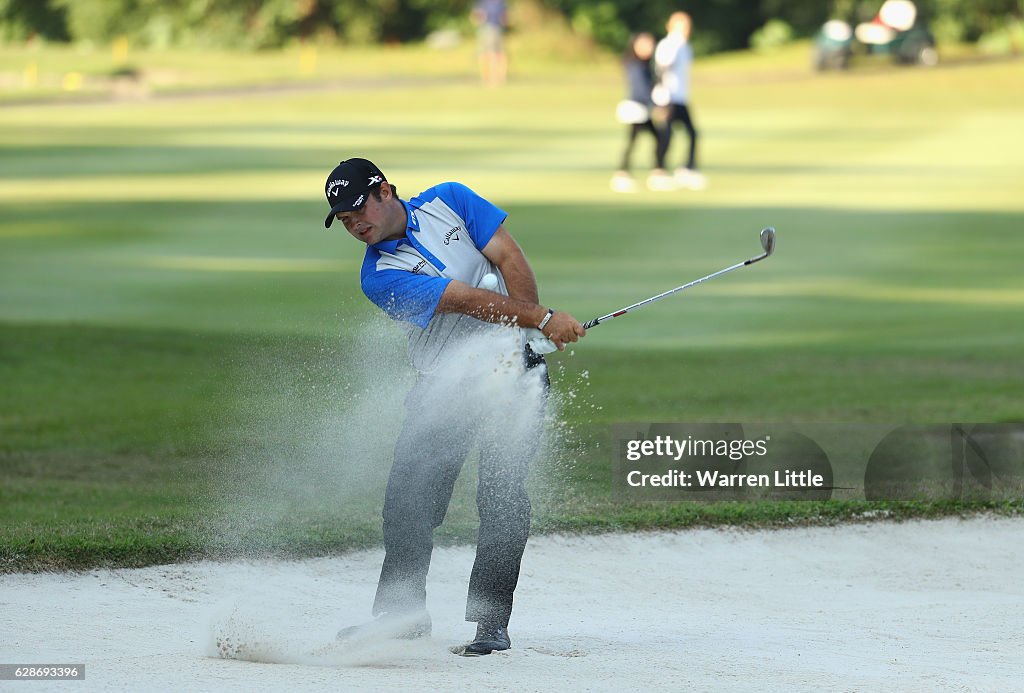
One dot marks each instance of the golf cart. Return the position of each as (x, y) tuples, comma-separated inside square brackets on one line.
[(897, 30)]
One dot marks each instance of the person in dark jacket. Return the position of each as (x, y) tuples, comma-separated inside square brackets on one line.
[(635, 111)]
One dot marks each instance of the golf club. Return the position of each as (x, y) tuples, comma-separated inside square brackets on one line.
[(767, 244)]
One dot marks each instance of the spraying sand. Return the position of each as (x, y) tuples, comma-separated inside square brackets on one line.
[(914, 606)]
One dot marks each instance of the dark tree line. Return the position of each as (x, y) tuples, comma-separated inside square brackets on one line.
[(720, 24)]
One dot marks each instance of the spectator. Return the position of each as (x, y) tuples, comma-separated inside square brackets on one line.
[(635, 111), (491, 19), (674, 58)]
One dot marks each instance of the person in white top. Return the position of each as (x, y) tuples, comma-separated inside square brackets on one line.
[(673, 59)]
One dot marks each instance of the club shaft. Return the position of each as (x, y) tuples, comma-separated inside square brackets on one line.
[(622, 311)]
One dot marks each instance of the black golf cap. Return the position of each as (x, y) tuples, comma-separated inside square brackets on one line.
[(349, 185)]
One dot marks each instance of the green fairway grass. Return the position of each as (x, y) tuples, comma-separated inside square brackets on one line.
[(188, 365)]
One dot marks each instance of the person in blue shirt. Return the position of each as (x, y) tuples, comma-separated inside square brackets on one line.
[(491, 19), (479, 382)]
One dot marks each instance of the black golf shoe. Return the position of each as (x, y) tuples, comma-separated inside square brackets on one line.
[(489, 638)]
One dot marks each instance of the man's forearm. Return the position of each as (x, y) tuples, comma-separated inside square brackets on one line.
[(489, 306), (522, 306)]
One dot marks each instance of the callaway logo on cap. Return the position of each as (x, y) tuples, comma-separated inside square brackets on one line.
[(348, 185)]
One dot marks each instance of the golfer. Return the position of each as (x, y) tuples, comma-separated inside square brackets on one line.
[(424, 260)]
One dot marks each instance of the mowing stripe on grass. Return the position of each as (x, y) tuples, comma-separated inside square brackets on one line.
[(887, 293), (243, 264)]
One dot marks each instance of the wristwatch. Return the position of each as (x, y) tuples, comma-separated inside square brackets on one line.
[(546, 320)]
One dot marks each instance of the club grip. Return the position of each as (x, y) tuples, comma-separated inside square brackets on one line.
[(591, 323)]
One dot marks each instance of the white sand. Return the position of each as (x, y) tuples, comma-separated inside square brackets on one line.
[(918, 606)]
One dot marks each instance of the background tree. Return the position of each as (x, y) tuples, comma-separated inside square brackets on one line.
[(718, 24)]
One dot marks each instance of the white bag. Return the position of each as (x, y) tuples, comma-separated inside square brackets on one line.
[(660, 95), (632, 112)]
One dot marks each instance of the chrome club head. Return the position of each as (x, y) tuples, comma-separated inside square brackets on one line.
[(768, 240)]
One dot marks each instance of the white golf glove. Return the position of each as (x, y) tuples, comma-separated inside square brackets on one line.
[(538, 342)]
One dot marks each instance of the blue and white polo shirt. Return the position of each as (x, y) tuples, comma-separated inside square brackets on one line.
[(448, 226)]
